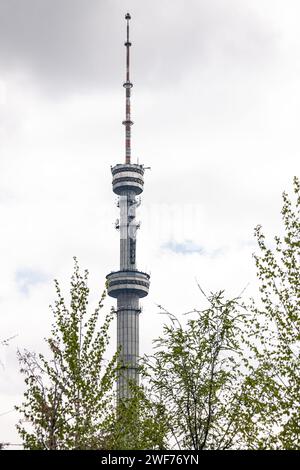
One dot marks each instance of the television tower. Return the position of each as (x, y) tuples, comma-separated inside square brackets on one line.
[(128, 284)]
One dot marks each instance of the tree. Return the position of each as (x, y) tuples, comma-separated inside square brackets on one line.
[(69, 397), (276, 329), (139, 422), (197, 377), (230, 378), (5, 343)]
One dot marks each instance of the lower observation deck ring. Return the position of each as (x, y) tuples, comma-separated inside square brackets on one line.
[(131, 282)]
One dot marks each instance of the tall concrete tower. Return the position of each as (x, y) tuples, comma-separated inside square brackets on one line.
[(128, 284)]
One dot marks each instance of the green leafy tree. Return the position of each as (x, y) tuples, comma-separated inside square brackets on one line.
[(230, 378), (139, 422), (197, 378), (275, 332), (69, 397)]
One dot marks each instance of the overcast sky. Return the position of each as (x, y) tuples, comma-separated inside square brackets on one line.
[(216, 107)]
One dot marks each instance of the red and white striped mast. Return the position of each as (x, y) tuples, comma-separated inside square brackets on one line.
[(128, 85)]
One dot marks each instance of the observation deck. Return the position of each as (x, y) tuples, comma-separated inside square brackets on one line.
[(128, 177), (133, 282)]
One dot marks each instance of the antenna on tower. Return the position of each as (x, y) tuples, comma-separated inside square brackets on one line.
[(127, 85)]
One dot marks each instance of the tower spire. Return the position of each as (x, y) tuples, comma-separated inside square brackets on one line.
[(127, 85)]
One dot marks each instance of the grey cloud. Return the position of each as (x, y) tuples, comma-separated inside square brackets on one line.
[(60, 42), (26, 278), (185, 248), (70, 44), (188, 247)]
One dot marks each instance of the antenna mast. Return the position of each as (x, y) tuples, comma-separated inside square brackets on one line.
[(127, 85)]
